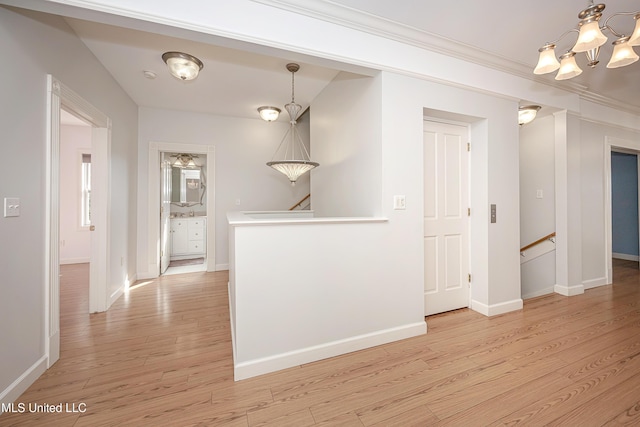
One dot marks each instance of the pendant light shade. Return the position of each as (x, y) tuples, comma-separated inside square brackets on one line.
[(568, 67), (623, 54), (182, 66), (590, 37), (292, 157), (547, 61)]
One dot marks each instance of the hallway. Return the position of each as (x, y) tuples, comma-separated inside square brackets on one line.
[(162, 356)]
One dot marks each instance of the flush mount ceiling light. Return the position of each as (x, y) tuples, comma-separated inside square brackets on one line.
[(590, 39), (294, 157), (527, 113), (182, 65), (184, 161), (269, 114)]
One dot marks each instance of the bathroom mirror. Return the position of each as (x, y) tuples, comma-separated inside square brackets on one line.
[(187, 186)]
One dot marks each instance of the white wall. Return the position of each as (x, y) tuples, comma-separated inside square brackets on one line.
[(39, 45), (242, 148), (345, 131), (75, 241)]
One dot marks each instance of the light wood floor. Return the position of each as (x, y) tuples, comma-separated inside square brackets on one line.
[(162, 356)]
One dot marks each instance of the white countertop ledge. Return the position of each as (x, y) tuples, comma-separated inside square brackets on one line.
[(249, 218)]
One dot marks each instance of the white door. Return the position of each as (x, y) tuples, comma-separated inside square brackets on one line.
[(165, 208), (446, 221)]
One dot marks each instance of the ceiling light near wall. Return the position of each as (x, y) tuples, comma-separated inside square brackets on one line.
[(182, 65), (590, 39), (269, 114), (527, 113), (294, 157)]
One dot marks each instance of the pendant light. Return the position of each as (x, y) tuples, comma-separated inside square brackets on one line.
[(293, 156)]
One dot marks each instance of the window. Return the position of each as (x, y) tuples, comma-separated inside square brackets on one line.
[(85, 184)]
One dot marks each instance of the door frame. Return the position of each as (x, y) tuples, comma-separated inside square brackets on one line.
[(59, 95), (467, 126), (622, 146), (153, 202)]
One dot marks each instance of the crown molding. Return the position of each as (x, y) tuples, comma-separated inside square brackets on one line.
[(338, 14)]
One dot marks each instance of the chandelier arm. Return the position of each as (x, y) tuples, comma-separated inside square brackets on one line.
[(281, 142), (573, 30), (610, 28), (305, 153)]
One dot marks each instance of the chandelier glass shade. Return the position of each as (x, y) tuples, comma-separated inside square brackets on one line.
[(591, 38), (292, 157), (182, 66)]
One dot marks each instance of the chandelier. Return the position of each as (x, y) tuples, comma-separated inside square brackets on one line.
[(185, 161), (294, 157), (590, 39)]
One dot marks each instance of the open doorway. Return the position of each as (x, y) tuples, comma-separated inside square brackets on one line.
[(183, 213), (61, 97), (621, 224), (160, 153)]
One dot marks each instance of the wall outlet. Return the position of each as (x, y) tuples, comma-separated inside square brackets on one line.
[(399, 202), (538, 194)]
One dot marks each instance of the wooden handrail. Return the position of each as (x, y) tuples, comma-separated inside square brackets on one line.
[(537, 242), (300, 202)]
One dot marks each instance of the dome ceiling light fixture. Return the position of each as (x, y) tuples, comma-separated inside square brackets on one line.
[(269, 114), (527, 113), (182, 66), (590, 39), (294, 157)]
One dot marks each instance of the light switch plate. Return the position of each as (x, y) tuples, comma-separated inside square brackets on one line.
[(399, 202), (11, 206)]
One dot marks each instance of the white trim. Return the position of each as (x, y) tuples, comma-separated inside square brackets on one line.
[(59, 96), (22, 383), (358, 20), (496, 309), (74, 261), (569, 291), (625, 257), (153, 203), (538, 293), (222, 267), (594, 283), (277, 362)]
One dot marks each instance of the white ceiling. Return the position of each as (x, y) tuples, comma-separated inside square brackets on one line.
[(236, 83)]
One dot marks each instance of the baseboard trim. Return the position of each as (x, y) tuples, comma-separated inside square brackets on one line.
[(594, 283), (496, 309), (265, 365), (75, 261), (222, 267), (541, 292), (114, 296), (625, 256), (22, 383), (569, 291)]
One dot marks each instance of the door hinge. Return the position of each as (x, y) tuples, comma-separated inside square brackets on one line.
[(468, 211), (468, 146), (469, 277), (161, 253)]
